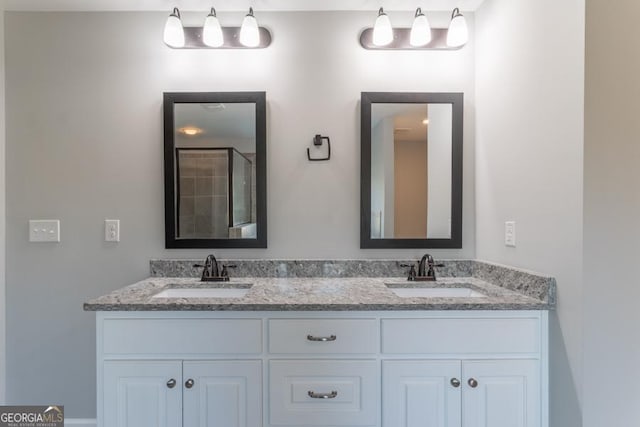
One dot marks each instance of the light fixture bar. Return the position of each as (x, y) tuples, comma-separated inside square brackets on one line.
[(231, 36), (401, 40)]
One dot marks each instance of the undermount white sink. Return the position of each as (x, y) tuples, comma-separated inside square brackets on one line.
[(404, 292), (234, 292)]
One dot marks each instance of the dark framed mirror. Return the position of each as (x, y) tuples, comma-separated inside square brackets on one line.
[(215, 169), (411, 170)]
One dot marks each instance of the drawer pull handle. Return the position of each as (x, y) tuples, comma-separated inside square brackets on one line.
[(189, 383), (171, 383), (455, 382), (473, 383), (314, 395), (322, 339)]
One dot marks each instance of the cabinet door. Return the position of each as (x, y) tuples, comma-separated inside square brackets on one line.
[(224, 393), (421, 393), (501, 393), (142, 394)]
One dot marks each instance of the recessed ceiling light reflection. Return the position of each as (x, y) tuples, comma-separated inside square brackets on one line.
[(190, 130)]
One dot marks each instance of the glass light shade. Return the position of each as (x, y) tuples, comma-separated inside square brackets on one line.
[(382, 31), (249, 31), (173, 31), (212, 31), (420, 30), (458, 34)]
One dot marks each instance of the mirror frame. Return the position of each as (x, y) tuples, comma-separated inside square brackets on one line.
[(169, 101), (456, 100)]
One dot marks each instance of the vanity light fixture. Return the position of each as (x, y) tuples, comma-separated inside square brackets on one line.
[(212, 35), (382, 30), (420, 30), (419, 37), (458, 33), (212, 31), (249, 34), (173, 30)]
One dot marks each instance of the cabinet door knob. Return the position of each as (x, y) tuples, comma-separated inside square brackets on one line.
[(323, 339), (171, 383), (473, 383), (455, 382), (314, 395), (189, 383)]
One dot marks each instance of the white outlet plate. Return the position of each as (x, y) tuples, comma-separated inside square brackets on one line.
[(44, 230), (510, 234), (111, 230)]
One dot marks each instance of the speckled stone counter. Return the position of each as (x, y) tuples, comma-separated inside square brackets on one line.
[(504, 288)]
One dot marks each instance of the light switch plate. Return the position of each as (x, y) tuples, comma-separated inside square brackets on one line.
[(510, 234), (111, 230), (44, 230)]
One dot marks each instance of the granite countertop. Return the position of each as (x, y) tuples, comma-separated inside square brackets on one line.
[(315, 294)]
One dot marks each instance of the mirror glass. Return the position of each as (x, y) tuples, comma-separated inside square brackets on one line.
[(412, 170), (216, 145)]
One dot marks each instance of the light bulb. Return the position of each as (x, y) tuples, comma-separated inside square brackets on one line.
[(458, 34), (420, 30), (212, 32), (173, 31), (382, 31), (249, 31)]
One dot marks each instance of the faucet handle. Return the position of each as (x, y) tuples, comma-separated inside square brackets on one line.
[(225, 273), (412, 271)]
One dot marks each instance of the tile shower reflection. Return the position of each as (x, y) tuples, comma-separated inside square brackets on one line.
[(216, 193)]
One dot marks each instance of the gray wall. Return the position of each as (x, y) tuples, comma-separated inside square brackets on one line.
[(529, 147), (84, 143), (2, 217), (611, 213)]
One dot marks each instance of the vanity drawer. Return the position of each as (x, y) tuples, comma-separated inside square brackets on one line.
[(461, 335), (182, 336), (351, 388), (323, 336)]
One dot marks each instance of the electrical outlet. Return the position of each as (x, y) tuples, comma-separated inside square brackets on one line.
[(44, 230), (111, 230), (510, 234)]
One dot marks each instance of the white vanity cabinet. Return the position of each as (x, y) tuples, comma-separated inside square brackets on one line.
[(182, 393), (179, 369), (222, 393), (321, 369), (501, 393), (324, 372), (443, 393), (142, 393), (457, 370)]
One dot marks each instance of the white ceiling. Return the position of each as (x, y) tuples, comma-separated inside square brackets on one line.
[(232, 121), (237, 5)]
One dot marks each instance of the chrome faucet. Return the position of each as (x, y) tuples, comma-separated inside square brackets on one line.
[(211, 271)]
